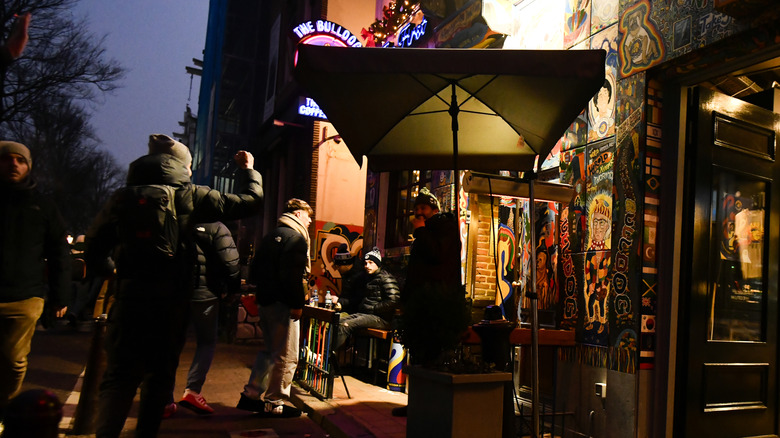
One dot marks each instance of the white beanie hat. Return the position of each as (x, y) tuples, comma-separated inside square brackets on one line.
[(375, 256)]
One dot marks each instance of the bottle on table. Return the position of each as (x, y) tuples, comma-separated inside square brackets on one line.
[(328, 300), (314, 296)]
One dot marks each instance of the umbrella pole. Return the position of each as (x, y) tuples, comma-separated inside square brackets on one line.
[(456, 171), (534, 316)]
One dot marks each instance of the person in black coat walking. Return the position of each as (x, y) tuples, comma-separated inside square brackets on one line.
[(32, 242), (380, 300), (217, 276), (148, 319)]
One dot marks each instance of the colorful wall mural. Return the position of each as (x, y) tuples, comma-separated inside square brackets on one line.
[(327, 240)]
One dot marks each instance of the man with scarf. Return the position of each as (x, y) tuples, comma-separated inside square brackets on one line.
[(33, 242), (279, 269)]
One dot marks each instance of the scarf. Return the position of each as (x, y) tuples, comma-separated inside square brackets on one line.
[(292, 221)]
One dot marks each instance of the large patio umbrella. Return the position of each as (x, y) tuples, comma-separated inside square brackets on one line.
[(445, 108)]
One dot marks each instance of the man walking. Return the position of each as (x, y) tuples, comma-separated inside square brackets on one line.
[(279, 269), (33, 240), (217, 276), (147, 321)]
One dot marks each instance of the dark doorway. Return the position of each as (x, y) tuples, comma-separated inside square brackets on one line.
[(726, 383)]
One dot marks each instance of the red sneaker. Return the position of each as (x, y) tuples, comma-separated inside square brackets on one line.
[(195, 402), (170, 410)]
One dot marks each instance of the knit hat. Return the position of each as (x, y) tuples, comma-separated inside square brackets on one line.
[(375, 256), (425, 197), (12, 147), (343, 256), (162, 144)]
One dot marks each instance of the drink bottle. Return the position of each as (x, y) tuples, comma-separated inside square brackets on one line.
[(328, 300)]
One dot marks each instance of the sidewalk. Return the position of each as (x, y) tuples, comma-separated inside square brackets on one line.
[(366, 414)]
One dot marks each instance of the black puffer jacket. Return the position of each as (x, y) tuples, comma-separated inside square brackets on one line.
[(32, 244), (278, 268), (353, 288), (382, 295), (217, 269), (194, 204), (435, 255)]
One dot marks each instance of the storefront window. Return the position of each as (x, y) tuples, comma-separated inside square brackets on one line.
[(400, 208), (738, 290)]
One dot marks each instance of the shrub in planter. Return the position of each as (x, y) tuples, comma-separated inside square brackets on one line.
[(435, 318)]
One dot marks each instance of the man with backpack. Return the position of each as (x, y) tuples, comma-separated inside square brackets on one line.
[(146, 228)]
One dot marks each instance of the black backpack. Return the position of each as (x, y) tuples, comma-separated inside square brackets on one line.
[(148, 227)]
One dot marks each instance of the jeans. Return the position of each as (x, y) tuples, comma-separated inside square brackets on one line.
[(206, 322), (17, 326), (350, 323), (277, 359)]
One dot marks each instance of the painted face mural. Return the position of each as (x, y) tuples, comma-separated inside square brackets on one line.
[(600, 223)]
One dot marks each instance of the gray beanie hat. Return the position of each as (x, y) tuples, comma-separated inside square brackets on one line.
[(12, 147), (162, 144)]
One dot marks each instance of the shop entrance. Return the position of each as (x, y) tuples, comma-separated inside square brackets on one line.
[(726, 380)]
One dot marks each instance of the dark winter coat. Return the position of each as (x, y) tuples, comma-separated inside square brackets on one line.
[(353, 288), (33, 246), (217, 270), (435, 254), (382, 295), (278, 268), (194, 204)]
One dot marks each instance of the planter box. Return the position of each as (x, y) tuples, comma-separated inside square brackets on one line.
[(455, 405)]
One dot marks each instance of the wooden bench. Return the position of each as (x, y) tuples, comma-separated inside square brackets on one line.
[(378, 355)]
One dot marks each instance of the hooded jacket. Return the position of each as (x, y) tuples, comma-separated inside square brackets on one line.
[(194, 204), (217, 269), (33, 246)]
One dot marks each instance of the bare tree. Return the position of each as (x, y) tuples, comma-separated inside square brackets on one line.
[(67, 163), (45, 101), (62, 57)]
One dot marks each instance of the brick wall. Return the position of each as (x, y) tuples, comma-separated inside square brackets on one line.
[(481, 257)]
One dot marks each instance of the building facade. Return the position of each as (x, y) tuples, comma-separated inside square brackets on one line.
[(664, 263)]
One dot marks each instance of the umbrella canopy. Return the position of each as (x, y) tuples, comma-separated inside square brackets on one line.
[(396, 105), (430, 109)]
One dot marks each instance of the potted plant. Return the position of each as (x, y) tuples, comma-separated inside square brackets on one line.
[(449, 395)]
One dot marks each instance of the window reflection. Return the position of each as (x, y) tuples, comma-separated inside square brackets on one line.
[(738, 292)]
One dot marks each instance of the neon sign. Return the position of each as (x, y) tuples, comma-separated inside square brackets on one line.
[(325, 33), (308, 107), (411, 33)]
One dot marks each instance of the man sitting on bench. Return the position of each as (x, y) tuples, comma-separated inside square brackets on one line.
[(379, 300)]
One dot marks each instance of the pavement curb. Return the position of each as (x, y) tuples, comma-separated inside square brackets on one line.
[(327, 416)]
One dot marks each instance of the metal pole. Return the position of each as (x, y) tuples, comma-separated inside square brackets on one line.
[(534, 317), (454, 115)]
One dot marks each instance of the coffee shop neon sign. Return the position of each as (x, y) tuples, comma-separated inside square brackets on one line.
[(325, 33)]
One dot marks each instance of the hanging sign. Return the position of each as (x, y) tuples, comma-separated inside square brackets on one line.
[(308, 107), (325, 33)]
